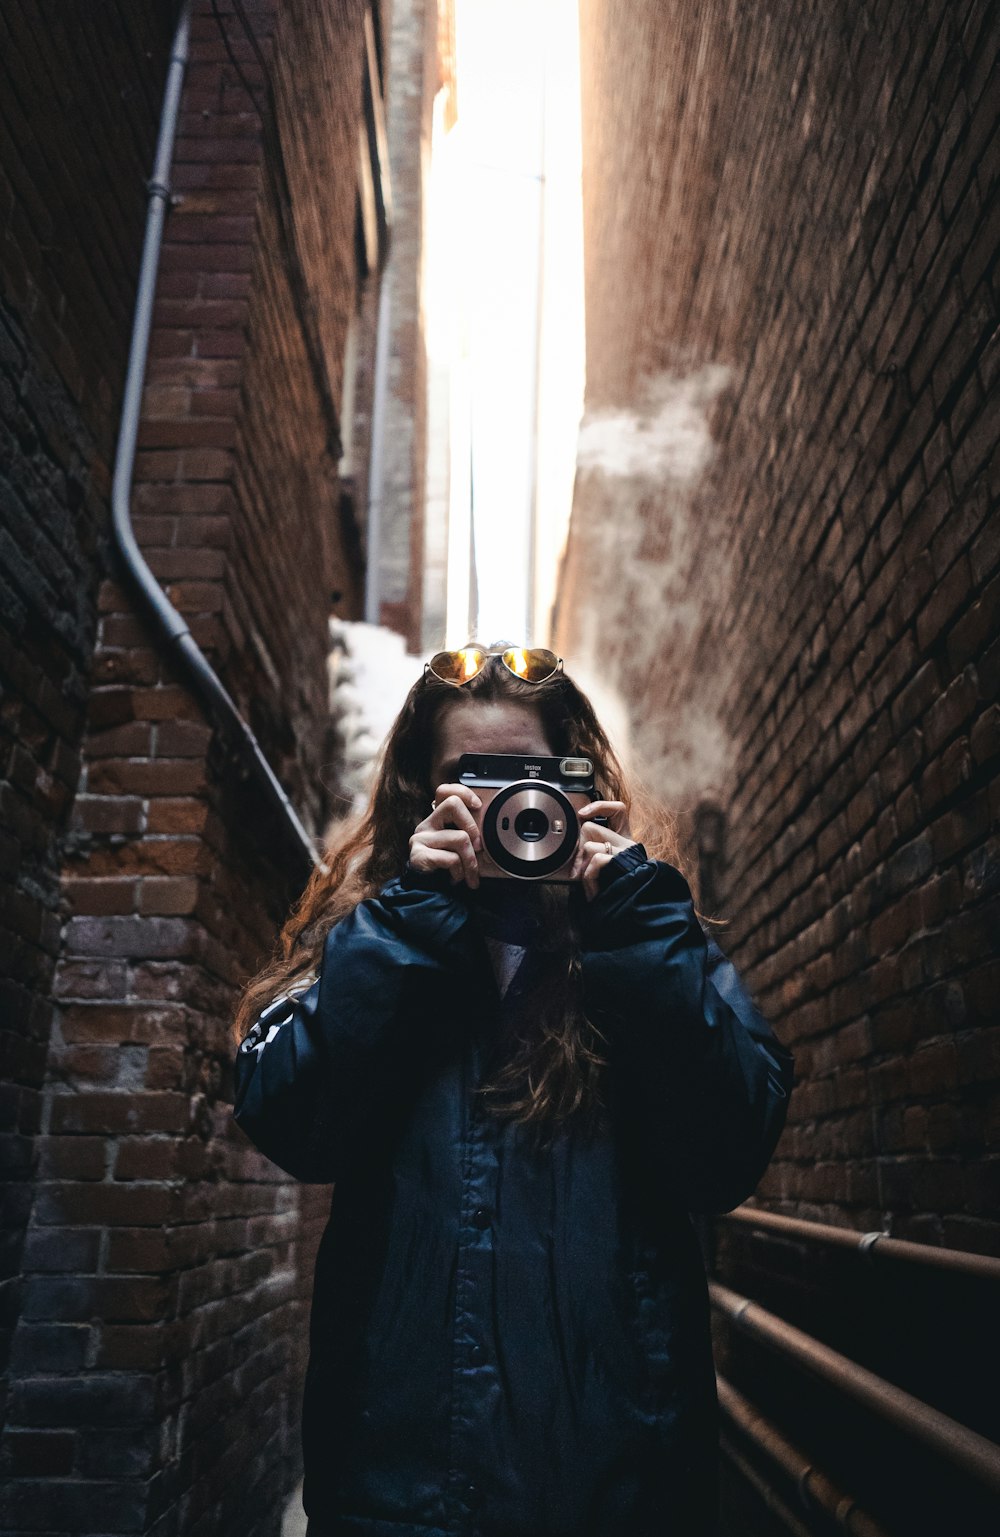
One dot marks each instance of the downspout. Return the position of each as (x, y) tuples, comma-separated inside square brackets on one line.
[(179, 643), (376, 458)]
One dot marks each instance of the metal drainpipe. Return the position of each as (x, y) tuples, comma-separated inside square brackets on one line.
[(180, 643), (376, 457)]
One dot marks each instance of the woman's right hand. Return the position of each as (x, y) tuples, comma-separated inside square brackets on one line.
[(449, 838)]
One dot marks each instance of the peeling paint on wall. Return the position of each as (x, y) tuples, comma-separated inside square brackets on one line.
[(638, 475), (667, 440)]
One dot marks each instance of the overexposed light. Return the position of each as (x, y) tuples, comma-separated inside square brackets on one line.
[(562, 361), (505, 302)]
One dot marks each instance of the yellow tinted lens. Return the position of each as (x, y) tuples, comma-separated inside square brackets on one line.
[(456, 666), (534, 665), (516, 660)]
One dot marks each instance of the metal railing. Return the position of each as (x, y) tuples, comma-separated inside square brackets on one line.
[(876, 1245), (816, 1490), (964, 1448)]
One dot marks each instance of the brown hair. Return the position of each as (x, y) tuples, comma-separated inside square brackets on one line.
[(554, 1068)]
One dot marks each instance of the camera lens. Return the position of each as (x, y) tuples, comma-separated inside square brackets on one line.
[(530, 829), (531, 825)]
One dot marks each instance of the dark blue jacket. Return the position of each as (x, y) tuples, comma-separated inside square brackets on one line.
[(508, 1343)]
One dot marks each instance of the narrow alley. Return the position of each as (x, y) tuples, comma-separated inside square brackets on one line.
[(661, 336)]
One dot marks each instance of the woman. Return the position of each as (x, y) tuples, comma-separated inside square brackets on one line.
[(521, 1091)]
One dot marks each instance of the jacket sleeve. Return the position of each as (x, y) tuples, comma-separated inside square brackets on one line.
[(701, 1071), (318, 1072)]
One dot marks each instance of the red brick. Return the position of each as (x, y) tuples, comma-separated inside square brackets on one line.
[(73, 1157), (138, 1249), (119, 1111), (39, 1453), (131, 740), (107, 814), (188, 562), (112, 1021), (182, 738), (153, 856), (100, 897), (148, 777), (984, 738), (168, 895), (209, 433), (141, 1347), (144, 1158)]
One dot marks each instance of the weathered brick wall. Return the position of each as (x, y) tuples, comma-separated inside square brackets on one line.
[(78, 143), (822, 226), (161, 1344), (785, 554)]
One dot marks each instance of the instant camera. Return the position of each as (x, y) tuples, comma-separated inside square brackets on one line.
[(528, 819)]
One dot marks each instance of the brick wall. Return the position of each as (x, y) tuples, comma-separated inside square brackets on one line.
[(412, 81), (784, 553), (77, 149), (159, 1351)]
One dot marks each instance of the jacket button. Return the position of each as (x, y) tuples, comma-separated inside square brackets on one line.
[(481, 1217), (477, 1355), (471, 1491)]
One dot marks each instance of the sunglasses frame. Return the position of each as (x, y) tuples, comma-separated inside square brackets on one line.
[(460, 682)]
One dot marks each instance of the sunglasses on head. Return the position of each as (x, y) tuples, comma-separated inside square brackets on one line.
[(531, 665)]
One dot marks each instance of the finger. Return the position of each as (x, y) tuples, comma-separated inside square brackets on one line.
[(591, 838), (614, 811), (454, 812), (592, 873), (428, 858), (585, 852), (449, 815), (593, 834), (452, 840), (464, 792)]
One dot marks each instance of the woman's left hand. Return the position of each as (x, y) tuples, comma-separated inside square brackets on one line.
[(598, 845)]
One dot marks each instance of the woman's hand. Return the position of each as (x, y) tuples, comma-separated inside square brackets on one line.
[(448, 839), (598, 845)]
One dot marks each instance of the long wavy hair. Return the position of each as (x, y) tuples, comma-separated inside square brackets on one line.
[(553, 1063)]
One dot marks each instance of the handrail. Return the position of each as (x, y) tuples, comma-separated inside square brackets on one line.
[(173, 626), (869, 1244), (968, 1450), (815, 1488), (765, 1492)]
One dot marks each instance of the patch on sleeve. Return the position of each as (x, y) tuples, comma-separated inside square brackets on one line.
[(267, 1025)]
